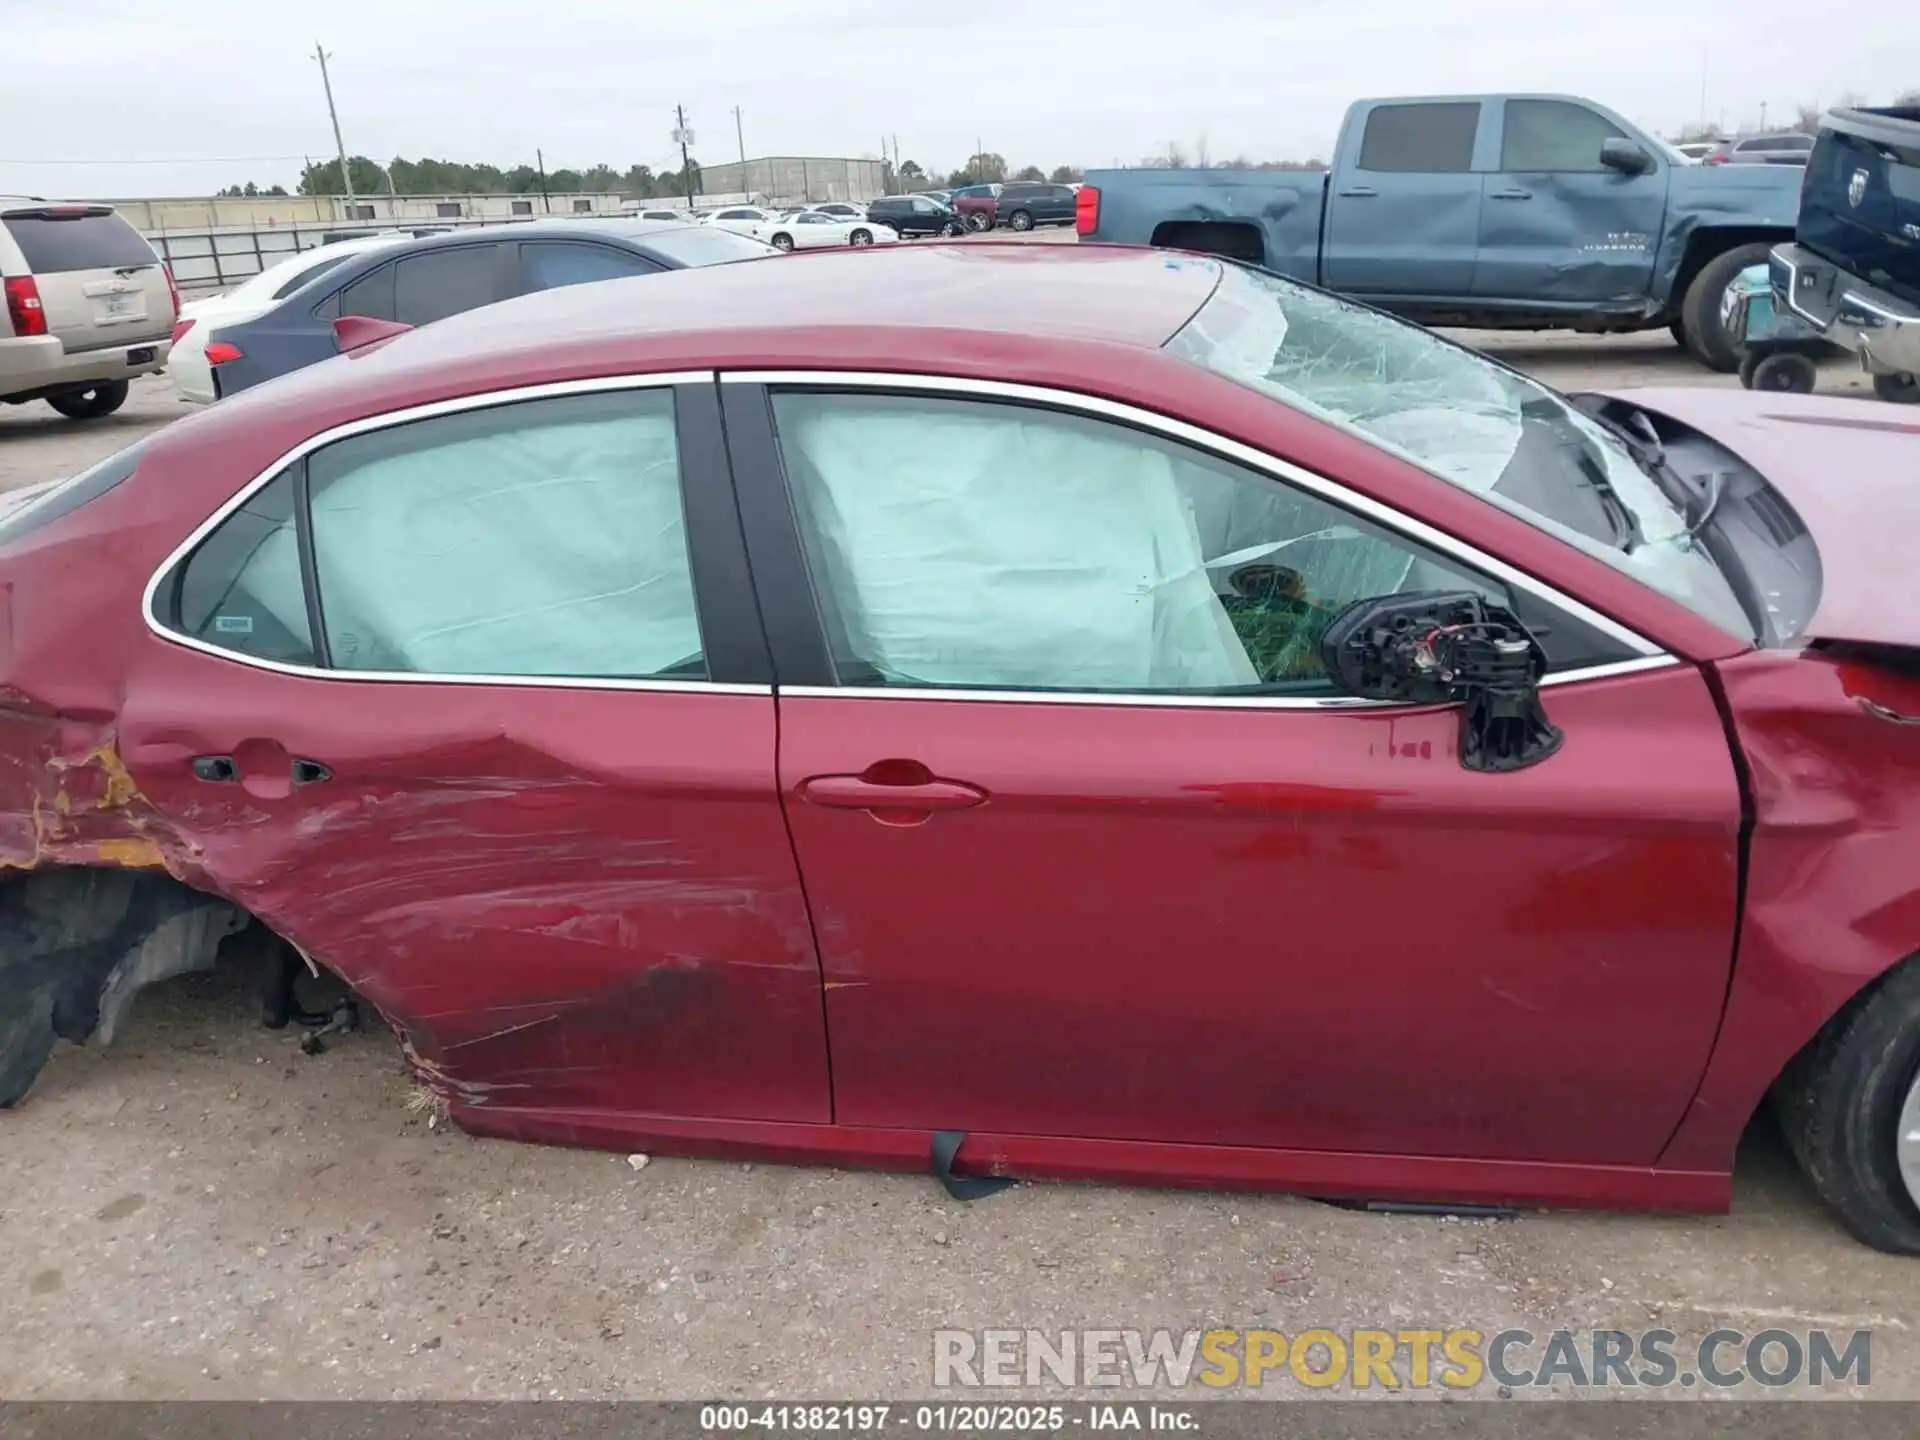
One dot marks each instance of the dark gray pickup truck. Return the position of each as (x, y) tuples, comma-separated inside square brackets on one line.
[(1524, 212), (1854, 271)]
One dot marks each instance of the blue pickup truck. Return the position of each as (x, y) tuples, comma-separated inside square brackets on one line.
[(1520, 212)]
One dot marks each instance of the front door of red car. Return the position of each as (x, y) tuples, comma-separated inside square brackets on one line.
[(1093, 848), (505, 759)]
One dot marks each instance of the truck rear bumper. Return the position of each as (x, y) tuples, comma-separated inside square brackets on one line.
[(1879, 327)]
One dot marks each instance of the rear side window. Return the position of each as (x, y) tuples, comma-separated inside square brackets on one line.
[(549, 266), (54, 243), (1433, 139), (371, 295), (703, 245), (309, 273), (241, 589), (440, 283), (540, 538)]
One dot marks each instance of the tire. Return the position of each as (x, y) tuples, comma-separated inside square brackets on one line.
[(954, 229), (1020, 221), (1898, 389), (1783, 373), (976, 222), (860, 237), (1679, 333), (1841, 1105), (783, 242), (103, 399), (1707, 339), (26, 1043)]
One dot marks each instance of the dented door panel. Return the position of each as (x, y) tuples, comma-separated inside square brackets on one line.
[(561, 897)]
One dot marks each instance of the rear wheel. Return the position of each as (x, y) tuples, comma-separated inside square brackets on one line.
[(1021, 221), (1899, 389), (90, 404), (1784, 373), (783, 242), (977, 222), (1707, 337), (860, 237), (1850, 1105)]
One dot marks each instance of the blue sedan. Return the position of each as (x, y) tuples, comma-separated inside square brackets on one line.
[(418, 282)]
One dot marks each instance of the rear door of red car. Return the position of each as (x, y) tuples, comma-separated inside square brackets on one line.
[(1093, 849), (471, 703)]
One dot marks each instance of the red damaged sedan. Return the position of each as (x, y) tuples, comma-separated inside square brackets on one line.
[(1028, 712)]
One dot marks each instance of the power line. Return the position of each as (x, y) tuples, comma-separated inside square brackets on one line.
[(179, 160)]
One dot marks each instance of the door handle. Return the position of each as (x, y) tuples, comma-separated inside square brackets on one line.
[(894, 792), (1511, 195), (1360, 192), (227, 770)]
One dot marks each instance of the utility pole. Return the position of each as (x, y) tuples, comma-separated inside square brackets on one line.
[(1763, 117), (326, 81), (746, 180), (540, 164), (683, 137)]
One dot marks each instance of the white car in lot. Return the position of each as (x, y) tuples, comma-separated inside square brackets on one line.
[(816, 230), (188, 365)]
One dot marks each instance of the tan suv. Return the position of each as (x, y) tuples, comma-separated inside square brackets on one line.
[(88, 306)]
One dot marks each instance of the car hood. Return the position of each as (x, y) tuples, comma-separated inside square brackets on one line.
[(1851, 468)]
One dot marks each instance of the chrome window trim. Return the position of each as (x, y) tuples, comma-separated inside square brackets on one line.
[(1317, 484), (1137, 699), (488, 400)]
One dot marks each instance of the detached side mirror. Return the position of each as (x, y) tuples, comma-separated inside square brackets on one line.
[(1625, 156), (1447, 647)]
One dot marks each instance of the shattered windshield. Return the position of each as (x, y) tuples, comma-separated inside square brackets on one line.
[(1459, 416)]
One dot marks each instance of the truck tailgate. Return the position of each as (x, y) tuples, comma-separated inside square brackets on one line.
[(1860, 207)]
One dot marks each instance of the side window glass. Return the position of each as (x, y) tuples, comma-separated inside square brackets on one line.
[(984, 545), (541, 538), (547, 267), (371, 295), (309, 273), (1551, 135), (241, 590), (440, 283), (1423, 139)]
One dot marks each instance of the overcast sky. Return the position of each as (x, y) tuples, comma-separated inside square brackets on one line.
[(116, 98)]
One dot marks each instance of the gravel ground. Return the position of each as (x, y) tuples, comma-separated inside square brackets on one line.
[(203, 1212)]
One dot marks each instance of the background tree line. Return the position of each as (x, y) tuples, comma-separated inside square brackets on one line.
[(400, 176)]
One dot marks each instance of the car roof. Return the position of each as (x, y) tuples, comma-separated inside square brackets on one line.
[(630, 228), (1114, 294)]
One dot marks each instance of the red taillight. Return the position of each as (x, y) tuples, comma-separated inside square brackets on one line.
[(173, 291), (180, 328), (23, 306), (221, 352), (1086, 210)]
